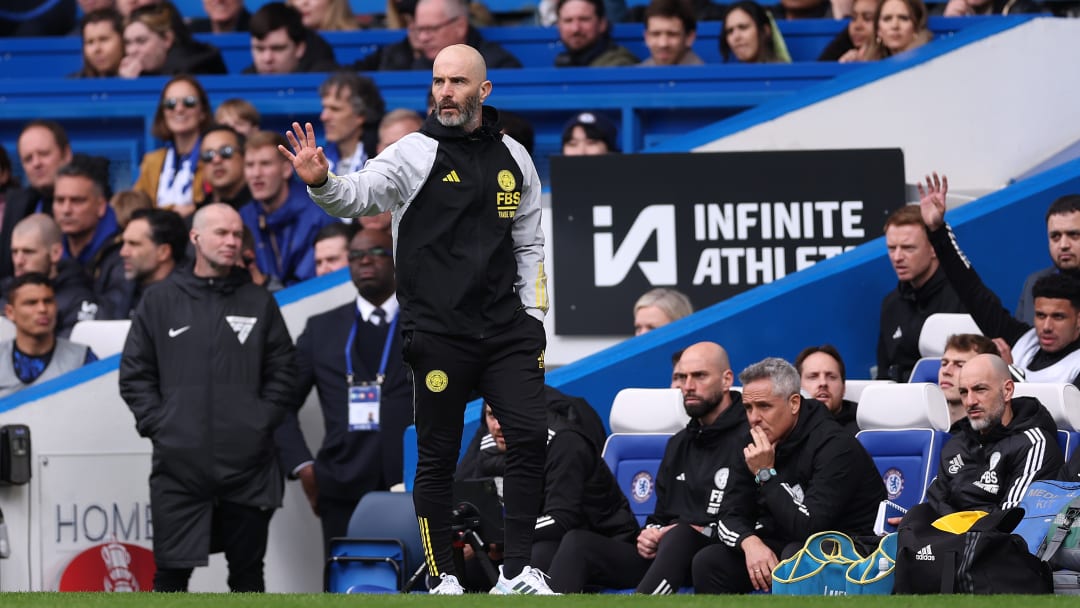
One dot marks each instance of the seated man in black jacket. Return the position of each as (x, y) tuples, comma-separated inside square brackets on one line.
[(695, 477), (995, 453), (808, 476), (580, 491)]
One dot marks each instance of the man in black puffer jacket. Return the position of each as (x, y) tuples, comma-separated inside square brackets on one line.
[(995, 453), (809, 476)]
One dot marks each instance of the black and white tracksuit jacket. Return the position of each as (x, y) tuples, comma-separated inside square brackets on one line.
[(986, 472), (469, 249)]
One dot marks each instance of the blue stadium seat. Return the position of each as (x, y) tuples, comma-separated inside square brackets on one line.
[(926, 370), (1062, 400), (365, 565), (904, 427), (382, 548), (634, 459)]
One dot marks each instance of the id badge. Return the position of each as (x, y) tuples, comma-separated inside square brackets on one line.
[(364, 407)]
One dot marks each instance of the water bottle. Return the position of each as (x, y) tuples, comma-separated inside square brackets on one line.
[(882, 566)]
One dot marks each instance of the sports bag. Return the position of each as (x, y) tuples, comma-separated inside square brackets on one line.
[(819, 568), (875, 573), (987, 558), (1059, 548), (1042, 502)]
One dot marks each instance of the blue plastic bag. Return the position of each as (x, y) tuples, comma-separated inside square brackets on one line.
[(874, 574), (819, 568)]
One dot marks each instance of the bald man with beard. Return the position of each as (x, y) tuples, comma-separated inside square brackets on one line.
[(700, 476), (1003, 445), (469, 250)]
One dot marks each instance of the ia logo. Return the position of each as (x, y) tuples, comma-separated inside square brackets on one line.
[(611, 264)]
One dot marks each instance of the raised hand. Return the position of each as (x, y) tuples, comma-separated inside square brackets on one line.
[(309, 161), (932, 201)]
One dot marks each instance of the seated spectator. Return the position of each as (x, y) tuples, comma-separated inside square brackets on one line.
[(1063, 240), (102, 44), (37, 18), (172, 176), (42, 148), (616, 11), (589, 134), (584, 31), (281, 217), (157, 42), (824, 378), (436, 25), (1047, 352), (397, 124), (125, 202), (658, 307), (670, 31), (222, 17), (280, 44), (222, 159), (995, 453), (239, 114), (969, 8), (959, 349), (326, 15), (351, 110), (810, 476), (155, 242), (37, 247), (701, 474), (332, 247), (36, 354), (89, 226), (751, 36), (855, 38), (899, 25), (517, 127), (922, 290)]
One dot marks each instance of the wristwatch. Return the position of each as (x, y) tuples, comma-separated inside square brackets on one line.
[(764, 475)]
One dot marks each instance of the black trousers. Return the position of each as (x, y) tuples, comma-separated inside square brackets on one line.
[(670, 569), (722, 569), (586, 559), (507, 370), (240, 531), (334, 516)]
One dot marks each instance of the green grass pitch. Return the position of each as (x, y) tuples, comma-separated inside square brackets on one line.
[(225, 600)]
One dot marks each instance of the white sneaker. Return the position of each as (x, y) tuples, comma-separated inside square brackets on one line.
[(448, 586), (531, 581)]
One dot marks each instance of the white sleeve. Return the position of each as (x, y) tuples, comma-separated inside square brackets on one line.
[(528, 237), (389, 180)]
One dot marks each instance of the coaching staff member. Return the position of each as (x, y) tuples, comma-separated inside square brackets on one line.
[(206, 370), (465, 204)]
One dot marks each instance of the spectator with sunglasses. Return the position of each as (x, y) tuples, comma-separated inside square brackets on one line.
[(222, 159), (354, 345), (280, 214), (172, 176)]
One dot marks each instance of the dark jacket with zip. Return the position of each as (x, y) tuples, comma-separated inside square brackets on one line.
[(207, 370)]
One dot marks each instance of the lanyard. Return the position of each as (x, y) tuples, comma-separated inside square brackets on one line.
[(385, 352)]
